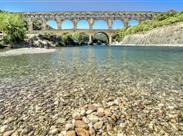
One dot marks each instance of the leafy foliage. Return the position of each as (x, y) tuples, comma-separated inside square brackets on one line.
[(163, 19), (74, 38), (37, 24), (13, 27)]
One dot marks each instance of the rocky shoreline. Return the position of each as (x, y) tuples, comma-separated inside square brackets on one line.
[(44, 40), (147, 45), (170, 35)]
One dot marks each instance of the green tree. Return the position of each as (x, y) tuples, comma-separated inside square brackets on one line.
[(13, 27), (77, 37)]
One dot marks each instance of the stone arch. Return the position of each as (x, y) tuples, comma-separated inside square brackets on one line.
[(117, 24), (84, 24), (100, 24), (96, 40), (133, 22), (51, 24), (67, 24)]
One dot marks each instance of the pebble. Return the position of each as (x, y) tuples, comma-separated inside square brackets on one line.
[(8, 133), (86, 120), (100, 112), (71, 133), (76, 116), (108, 112), (92, 131), (26, 130), (69, 126), (98, 125), (93, 107), (93, 118), (15, 133), (9, 120), (83, 112), (81, 124), (61, 121), (53, 131), (81, 132), (3, 128)]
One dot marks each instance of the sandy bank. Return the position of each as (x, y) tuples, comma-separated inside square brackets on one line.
[(21, 51)]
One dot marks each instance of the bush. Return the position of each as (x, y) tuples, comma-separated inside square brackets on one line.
[(13, 27), (73, 39), (37, 24)]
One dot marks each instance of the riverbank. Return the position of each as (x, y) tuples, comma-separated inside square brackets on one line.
[(170, 35), (22, 51), (147, 45)]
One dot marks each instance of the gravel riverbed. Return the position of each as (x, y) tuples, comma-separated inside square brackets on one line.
[(56, 95)]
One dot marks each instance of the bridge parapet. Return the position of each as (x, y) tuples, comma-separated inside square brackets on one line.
[(87, 15)]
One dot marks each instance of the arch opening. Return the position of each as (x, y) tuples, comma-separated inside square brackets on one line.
[(51, 24), (133, 22), (100, 24), (82, 24), (101, 38), (67, 24), (117, 24)]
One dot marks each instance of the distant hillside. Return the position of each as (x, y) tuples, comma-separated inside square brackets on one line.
[(164, 29), (171, 34)]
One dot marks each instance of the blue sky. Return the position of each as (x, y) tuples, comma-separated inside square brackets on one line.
[(78, 5), (90, 5)]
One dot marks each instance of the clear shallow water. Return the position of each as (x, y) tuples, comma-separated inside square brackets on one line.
[(38, 90), (153, 68)]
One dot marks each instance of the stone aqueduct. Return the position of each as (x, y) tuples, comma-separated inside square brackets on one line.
[(91, 17)]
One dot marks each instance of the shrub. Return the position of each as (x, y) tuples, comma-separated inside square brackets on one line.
[(37, 24), (13, 27)]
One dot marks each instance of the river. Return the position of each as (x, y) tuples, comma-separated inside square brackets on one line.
[(35, 88)]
